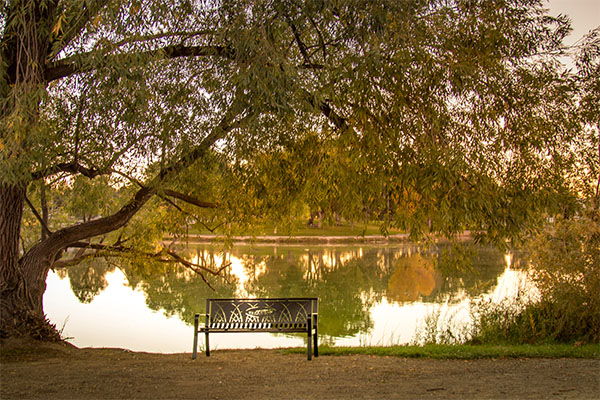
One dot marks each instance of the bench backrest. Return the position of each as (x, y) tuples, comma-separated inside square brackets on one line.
[(284, 314)]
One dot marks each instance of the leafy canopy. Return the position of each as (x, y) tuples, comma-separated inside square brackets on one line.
[(430, 115)]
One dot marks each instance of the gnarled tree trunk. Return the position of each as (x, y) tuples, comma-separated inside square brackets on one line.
[(22, 279)]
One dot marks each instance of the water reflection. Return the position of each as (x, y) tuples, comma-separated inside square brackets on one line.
[(413, 278), (88, 278), (368, 294)]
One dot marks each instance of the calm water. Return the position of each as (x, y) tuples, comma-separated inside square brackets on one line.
[(368, 294)]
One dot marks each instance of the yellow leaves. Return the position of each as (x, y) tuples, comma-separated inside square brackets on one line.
[(1, 145), (57, 30), (32, 223)]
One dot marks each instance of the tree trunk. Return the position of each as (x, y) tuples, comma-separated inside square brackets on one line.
[(22, 281), (44, 207)]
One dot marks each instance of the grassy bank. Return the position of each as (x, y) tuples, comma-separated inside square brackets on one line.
[(466, 352), (301, 228)]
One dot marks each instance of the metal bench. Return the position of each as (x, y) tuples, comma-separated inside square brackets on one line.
[(278, 315)]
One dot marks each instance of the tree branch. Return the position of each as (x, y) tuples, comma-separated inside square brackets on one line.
[(189, 199), (320, 36), (142, 38), (212, 230), (175, 258), (298, 40), (38, 217), (338, 121), (72, 167), (72, 234), (192, 265), (73, 261), (69, 66)]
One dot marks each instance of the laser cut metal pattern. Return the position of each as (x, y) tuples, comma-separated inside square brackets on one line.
[(278, 314)]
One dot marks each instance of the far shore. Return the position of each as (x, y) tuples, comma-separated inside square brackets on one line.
[(325, 239)]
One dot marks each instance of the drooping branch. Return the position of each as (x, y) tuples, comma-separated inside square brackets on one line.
[(195, 266), (69, 66), (72, 167), (212, 230), (189, 199), (162, 195), (73, 234), (103, 250), (72, 65)]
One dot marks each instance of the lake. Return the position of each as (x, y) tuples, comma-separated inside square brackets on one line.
[(369, 294)]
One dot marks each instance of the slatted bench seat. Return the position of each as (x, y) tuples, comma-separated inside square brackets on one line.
[(276, 315)]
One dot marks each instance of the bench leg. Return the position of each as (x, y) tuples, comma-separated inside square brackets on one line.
[(309, 342), (207, 345), (195, 348), (316, 344)]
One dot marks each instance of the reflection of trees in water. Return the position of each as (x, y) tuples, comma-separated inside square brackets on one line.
[(413, 278), (179, 293), (474, 272), (172, 288), (88, 278), (347, 285), (177, 290), (348, 281)]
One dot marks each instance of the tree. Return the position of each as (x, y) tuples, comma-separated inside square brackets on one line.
[(457, 105)]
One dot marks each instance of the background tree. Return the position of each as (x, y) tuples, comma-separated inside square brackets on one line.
[(459, 107)]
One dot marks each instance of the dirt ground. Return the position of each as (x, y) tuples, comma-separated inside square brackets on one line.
[(64, 372)]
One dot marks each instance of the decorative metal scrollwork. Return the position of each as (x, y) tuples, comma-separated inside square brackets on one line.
[(248, 311)]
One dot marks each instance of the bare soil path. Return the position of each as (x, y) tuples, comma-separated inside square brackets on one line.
[(63, 372)]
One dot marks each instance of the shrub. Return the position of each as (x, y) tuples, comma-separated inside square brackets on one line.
[(564, 265)]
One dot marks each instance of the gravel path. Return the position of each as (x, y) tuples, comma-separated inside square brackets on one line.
[(68, 373)]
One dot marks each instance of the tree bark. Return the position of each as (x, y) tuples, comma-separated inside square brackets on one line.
[(21, 290), (23, 279)]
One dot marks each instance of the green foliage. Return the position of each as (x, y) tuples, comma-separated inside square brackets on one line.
[(431, 117), (565, 268), (89, 199)]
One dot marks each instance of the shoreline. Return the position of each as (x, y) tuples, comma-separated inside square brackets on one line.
[(275, 239)]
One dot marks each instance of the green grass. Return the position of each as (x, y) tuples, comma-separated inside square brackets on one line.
[(466, 352), (302, 229)]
